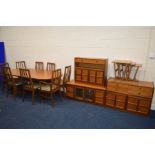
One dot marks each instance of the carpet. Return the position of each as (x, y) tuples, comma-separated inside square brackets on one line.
[(67, 114)]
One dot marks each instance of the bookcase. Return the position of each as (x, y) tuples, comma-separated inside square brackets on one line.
[(90, 80), (91, 71)]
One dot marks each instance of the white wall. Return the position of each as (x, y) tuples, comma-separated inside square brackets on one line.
[(62, 44), (150, 63)]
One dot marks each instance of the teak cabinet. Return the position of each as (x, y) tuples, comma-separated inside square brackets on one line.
[(136, 96), (86, 92), (91, 85), (91, 71)]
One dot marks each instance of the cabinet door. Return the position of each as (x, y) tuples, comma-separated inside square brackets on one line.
[(144, 106), (132, 104), (99, 74), (92, 79), (99, 80), (120, 101), (78, 71), (78, 77), (89, 95), (79, 93), (92, 73), (85, 72), (84, 78), (110, 99), (144, 102), (99, 97), (110, 103), (99, 94), (143, 110), (99, 100), (110, 95), (70, 91)]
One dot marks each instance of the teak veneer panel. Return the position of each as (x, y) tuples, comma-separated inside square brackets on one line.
[(137, 88), (80, 84), (91, 71), (137, 95)]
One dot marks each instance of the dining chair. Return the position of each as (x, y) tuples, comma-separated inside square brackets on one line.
[(3, 79), (66, 78), (48, 89), (50, 66), (2, 65), (11, 82), (39, 66), (28, 85), (20, 64)]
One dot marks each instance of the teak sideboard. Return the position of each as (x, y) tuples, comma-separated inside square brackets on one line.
[(132, 96), (86, 92), (91, 85)]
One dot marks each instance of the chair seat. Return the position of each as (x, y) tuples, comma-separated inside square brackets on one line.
[(35, 86), (48, 88), (17, 83)]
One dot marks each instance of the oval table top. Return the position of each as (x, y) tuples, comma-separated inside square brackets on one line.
[(38, 75)]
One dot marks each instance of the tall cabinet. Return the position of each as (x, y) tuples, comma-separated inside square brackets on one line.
[(90, 80)]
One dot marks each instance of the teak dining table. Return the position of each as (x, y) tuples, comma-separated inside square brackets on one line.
[(37, 75)]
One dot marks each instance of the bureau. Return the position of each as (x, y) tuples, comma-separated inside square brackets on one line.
[(91, 71)]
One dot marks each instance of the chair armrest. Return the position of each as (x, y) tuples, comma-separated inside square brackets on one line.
[(42, 82)]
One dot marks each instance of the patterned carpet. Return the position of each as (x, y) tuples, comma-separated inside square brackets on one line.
[(68, 114)]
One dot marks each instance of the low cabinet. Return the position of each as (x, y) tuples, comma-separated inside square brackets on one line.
[(85, 92)]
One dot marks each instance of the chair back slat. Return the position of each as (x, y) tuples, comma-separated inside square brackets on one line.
[(7, 74), (26, 77), (50, 66), (20, 64), (56, 77), (39, 65), (67, 74), (2, 65)]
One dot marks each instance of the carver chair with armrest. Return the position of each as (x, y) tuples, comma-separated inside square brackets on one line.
[(48, 89), (2, 76), (11, 82), (28, 85)]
